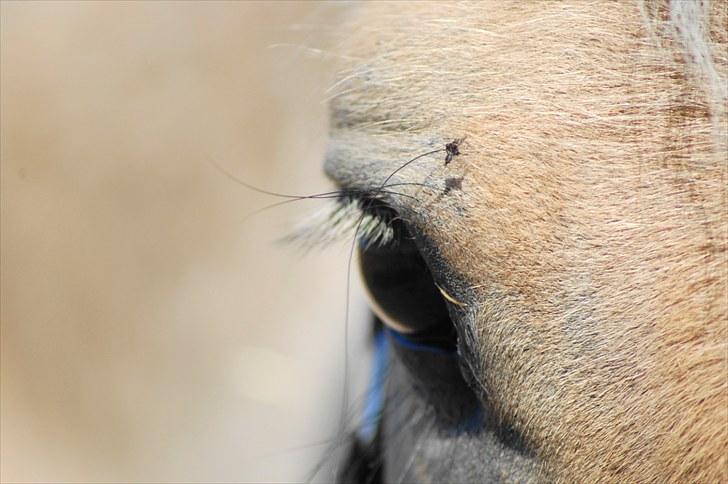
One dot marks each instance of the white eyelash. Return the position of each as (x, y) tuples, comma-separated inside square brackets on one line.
[(337, 221)]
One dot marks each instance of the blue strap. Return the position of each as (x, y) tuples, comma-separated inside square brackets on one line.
[(375, 396), (404, 341)]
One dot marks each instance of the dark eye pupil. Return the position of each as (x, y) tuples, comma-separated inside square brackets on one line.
[(403, 292)]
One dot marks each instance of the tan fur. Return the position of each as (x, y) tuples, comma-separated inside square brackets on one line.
[(592, 221)]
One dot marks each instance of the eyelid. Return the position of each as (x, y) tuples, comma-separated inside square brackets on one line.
[(358, 160)]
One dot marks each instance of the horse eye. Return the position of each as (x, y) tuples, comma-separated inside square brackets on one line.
[(402, 291), (404, 296)]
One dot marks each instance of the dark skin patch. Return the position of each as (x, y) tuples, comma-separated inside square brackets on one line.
[(453, 184)]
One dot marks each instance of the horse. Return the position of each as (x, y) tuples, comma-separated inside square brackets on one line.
[(546, 182)]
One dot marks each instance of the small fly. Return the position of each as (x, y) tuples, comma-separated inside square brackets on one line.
[(453, 149)]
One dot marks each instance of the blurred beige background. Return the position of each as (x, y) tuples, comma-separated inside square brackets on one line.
[(149, 333)]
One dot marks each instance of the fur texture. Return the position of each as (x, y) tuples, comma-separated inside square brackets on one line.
[(590, 225)]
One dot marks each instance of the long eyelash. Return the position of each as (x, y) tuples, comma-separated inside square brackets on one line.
[(337, 220)]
